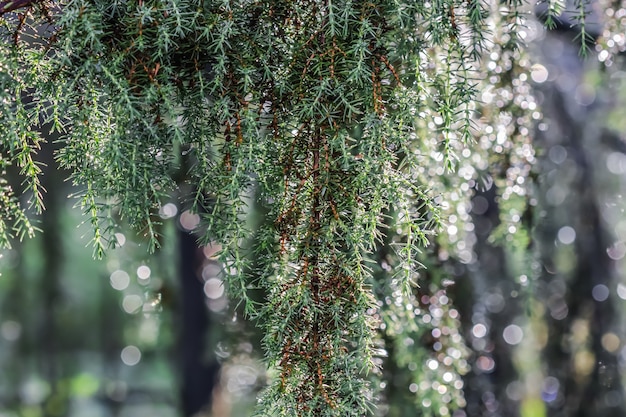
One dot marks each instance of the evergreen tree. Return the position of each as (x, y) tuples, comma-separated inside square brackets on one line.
[(342, 119)]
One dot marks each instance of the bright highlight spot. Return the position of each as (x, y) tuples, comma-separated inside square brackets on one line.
[(433, 364), (143, 272), (616, 251), (132, 303), (513, 334), (485, 364), (167, 211), (539, 73), (189, 221), (621, 291), (479, 330), (213, 288), (120, 280), (566, 235), (131, 355), (616, 163), (121, 239)]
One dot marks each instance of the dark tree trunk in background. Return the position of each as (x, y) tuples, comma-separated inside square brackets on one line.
[(483, 295), (199, 373), (578, 296), (51, 297)]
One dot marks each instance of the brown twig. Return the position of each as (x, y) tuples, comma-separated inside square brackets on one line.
[(12, 5)]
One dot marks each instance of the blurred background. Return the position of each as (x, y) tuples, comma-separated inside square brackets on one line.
[(529, 325)]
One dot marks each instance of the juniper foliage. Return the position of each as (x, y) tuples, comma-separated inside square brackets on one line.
[(341, 116)]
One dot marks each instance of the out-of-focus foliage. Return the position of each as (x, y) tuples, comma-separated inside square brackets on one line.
[(358, 129), (86, 339)]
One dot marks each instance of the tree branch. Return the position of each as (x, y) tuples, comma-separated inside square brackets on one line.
[(11, 5)]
